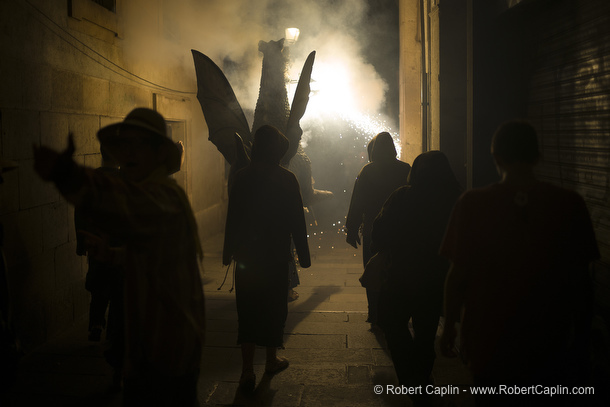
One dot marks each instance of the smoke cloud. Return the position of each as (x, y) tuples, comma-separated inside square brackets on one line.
[(348, 92), (228, 31)]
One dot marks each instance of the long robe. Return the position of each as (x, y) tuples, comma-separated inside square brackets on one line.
[(164, 301), (265, 211)]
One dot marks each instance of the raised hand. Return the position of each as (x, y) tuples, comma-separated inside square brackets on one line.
[(47, 160)]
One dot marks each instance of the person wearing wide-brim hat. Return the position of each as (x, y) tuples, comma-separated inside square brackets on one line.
[(164, 307), (142, 129)]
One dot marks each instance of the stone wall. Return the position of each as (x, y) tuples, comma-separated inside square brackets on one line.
[(65, 68), (410, 115)]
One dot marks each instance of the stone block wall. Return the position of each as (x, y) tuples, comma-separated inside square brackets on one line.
[(56, 79)]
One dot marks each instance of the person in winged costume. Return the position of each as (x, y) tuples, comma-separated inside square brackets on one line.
[(231, 134), (228, 127), (265, 212)]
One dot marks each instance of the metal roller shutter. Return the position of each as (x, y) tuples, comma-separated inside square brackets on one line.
[(569, 103)]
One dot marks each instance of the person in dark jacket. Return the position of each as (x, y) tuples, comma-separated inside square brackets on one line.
[(519, 284), (411, 226), (374, 184), (103, 279), (265, 211)]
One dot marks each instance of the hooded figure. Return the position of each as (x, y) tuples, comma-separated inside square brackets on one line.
[(411, 226), (265, 211), (375, 182)]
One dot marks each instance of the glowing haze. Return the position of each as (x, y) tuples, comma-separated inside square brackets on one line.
[(348, 94), (228, 31)]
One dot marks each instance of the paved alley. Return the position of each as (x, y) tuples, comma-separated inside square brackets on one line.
[(335, 360)]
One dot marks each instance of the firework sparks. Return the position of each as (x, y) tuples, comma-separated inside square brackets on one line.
[(335, 98)]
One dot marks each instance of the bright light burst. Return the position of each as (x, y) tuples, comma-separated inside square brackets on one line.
[(335, 96)]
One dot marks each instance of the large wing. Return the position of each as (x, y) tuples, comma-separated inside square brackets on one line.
[(242, 159), (220, 107), (297, 110)]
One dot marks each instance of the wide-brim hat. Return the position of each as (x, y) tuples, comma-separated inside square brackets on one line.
[(149, 120)]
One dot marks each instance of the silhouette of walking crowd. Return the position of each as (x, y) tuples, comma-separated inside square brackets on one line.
[(505, 266)]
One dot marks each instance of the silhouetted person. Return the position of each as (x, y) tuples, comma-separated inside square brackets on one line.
[(104, 280), (411, 226), (150, 213), (520, 251), (265, 210), (103, 277), (374, 184)]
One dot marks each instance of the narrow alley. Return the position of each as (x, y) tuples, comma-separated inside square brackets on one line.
[(335, 360)]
